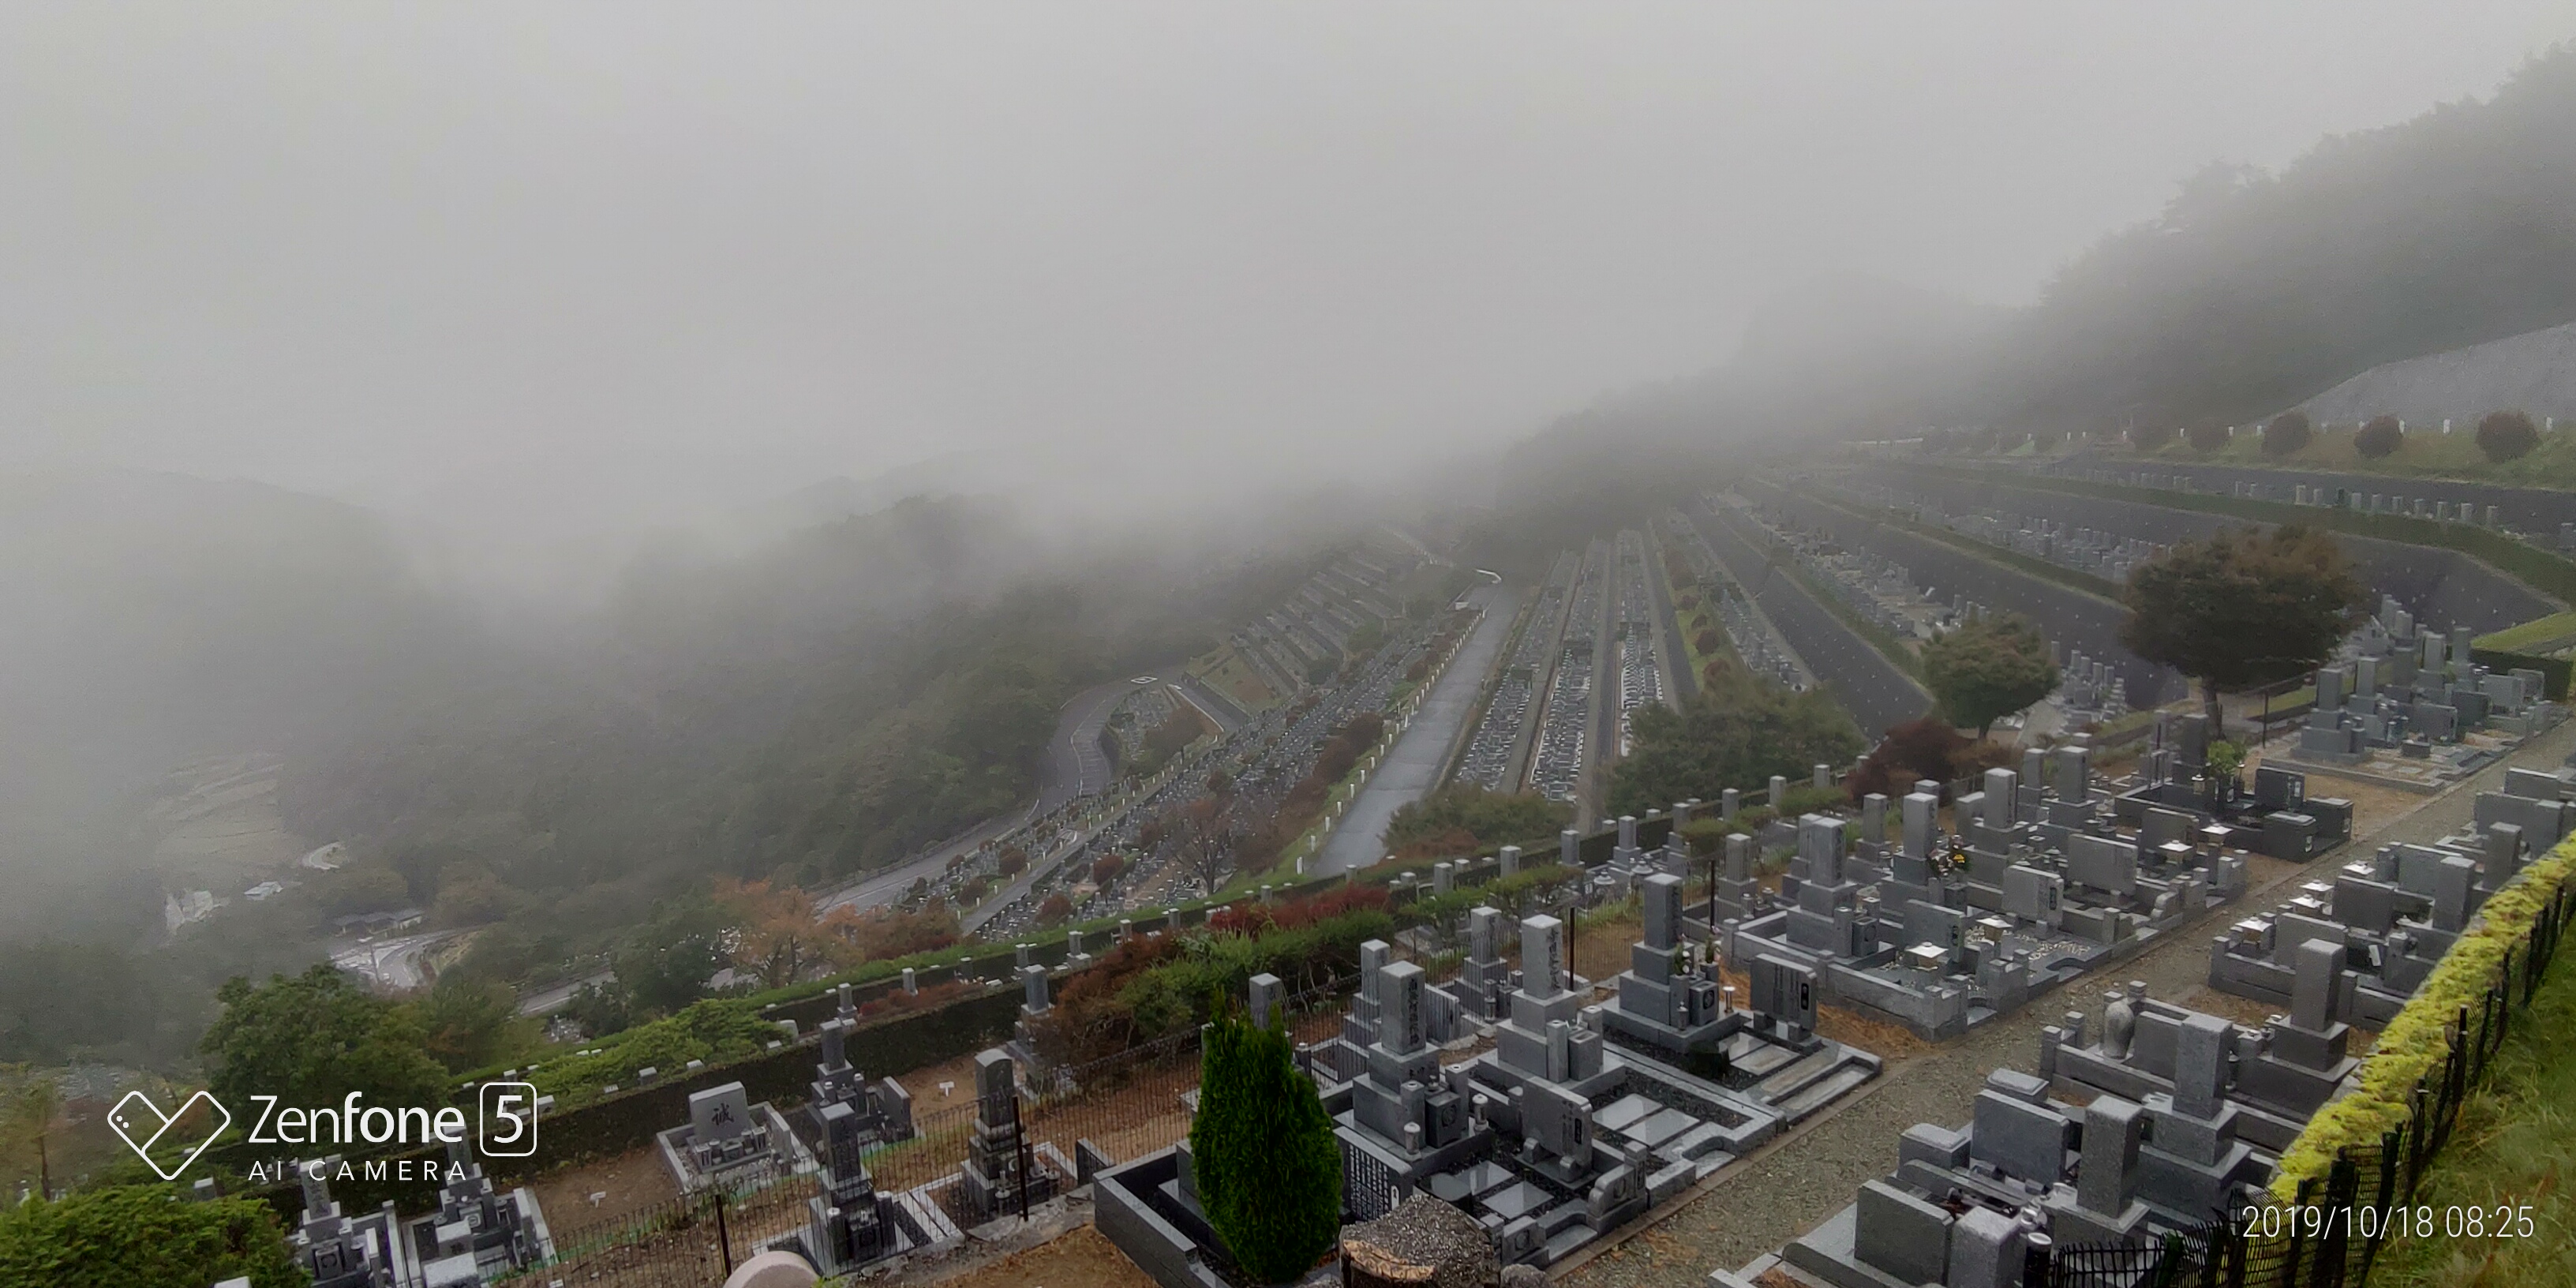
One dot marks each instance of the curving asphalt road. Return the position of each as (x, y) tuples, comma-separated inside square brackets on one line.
[(1074, 766)]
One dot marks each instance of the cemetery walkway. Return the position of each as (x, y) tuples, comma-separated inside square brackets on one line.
[(1792, 1185), (1412, 766)]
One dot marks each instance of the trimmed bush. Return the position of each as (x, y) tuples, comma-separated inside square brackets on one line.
[(2414, 1042), (2287, 433), (2379, 439), (1269, 1171), (2507, 435)]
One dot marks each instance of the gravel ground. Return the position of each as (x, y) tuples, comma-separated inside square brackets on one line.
[(1799, 1181)]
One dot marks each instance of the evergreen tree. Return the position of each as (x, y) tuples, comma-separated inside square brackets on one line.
[(311, 1039), (144, 1236), (1269, 1171)]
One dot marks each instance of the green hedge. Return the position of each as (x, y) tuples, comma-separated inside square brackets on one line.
[(628, 1120), (2554, 670), (2414, 1042)]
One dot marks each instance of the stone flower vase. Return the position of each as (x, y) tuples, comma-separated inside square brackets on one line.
[(2119, 1024)]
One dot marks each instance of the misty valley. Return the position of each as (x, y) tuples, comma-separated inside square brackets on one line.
[(810, 647)]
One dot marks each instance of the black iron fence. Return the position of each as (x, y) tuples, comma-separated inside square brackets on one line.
[(690, 1241), (1117, 1108), (2332, 1231)]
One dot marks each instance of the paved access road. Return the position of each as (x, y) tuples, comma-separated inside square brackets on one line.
[(1074, 766), (392, 965), (1786, 1190), (1411, 768)]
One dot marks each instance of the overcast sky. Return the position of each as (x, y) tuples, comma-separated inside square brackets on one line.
[(634, 256)]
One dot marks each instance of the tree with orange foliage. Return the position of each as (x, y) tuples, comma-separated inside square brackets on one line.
[(777, 934), (883, 934)]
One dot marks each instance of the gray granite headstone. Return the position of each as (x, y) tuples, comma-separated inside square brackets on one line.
[(1484, 933), (1266, 992), (1660, 897), (1399, 990), (1373, 959), (719, 1113), (2200, 1065), (1542, 955), (2113, 1128), (1922, 817), (2312, 984), (1905, 1237), (1999, 785), (2023, 1140)]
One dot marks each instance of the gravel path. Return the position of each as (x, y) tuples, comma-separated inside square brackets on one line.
[(1799, 1181)]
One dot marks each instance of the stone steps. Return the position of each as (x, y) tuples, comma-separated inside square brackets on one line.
[(1820, 1094), (1798, 1075)]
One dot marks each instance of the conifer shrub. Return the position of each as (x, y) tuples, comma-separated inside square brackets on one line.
[(1269, 1172)]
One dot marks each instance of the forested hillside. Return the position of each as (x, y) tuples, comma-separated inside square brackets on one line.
[(2248, 293), (200, 680), (828, 704), (2252, 292)]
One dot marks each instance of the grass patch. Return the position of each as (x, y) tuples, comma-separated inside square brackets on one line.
[(2539, 635), (2515, 1145)]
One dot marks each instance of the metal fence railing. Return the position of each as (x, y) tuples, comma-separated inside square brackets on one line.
[(1124, 1106), (2331, 1232), (690, 1241)]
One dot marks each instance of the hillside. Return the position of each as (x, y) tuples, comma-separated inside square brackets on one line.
[(2251, 292), (2248, 293), (154, 621), (2534, 372)]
